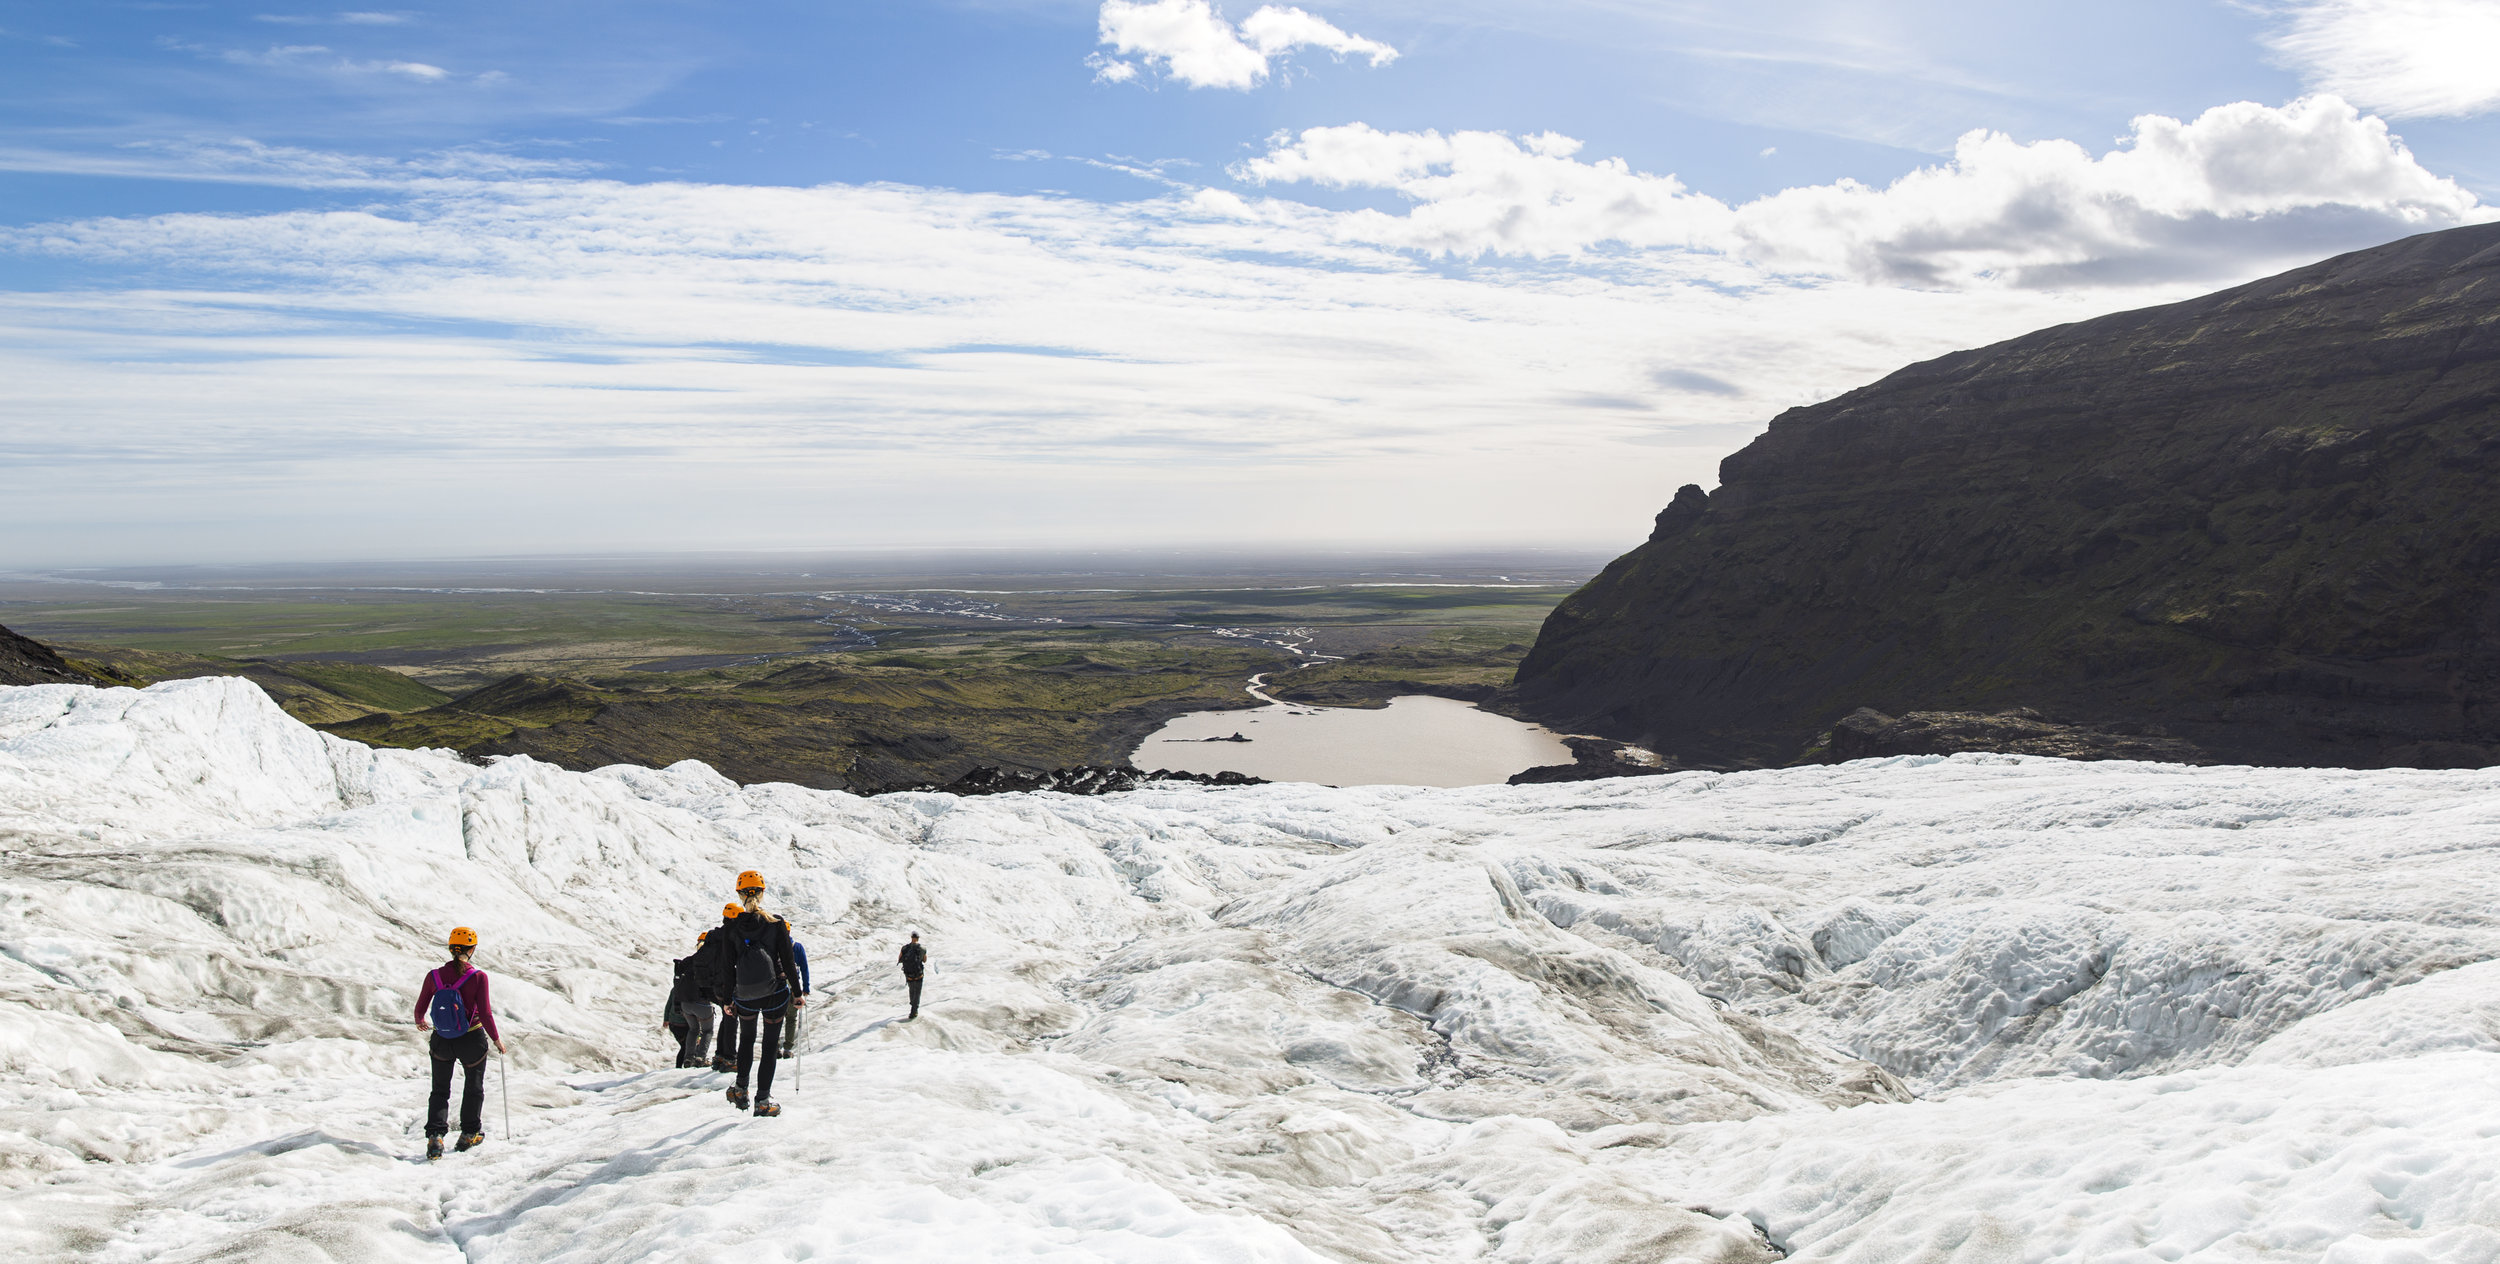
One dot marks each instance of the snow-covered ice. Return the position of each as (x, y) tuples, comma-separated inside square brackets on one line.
[(1971, 1009)]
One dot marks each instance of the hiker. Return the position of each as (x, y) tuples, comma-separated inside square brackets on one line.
[(707, 974), (758, 982), (914, 959), (790, 1029), (689, 1012), (463, 1020)]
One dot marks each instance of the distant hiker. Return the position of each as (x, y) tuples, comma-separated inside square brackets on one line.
[(454, 998), (790, 1029), (759, 982), (689, 1011), (915, 958), (708, 977)]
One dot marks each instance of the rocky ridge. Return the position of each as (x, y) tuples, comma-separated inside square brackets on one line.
[(2262, 521), (30, 662)]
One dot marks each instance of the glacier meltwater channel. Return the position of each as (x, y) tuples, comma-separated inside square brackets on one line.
[(1983, 1008)]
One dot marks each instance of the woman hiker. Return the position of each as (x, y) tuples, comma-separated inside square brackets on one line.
[(758, 981), (462, 1018)]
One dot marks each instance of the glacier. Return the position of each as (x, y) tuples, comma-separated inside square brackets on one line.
[(1976, 1008)]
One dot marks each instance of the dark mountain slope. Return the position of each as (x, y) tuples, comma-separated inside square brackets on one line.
[(30, 662), (2266, 521)]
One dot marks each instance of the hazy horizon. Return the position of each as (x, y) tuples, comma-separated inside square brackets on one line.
[(833, 568)]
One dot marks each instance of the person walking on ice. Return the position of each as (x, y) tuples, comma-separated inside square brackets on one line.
[(914, 959), (759, 983), (462, 1018), (689, 1008), (708, 972)]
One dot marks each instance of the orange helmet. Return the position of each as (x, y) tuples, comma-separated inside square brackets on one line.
[(750, 881), (730, 910), (701, 935), (463, 937)]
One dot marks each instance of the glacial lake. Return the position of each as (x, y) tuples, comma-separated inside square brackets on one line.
[(1416, 740)]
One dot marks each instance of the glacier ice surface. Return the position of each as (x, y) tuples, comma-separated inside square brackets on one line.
[(1938, 1009)]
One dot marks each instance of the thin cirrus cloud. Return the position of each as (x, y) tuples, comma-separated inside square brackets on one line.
[(2403, 58), (319, 58), (351, 18), (1193, 43), (2238, 185)]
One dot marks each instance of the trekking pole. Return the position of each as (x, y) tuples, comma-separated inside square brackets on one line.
[(503, 1069)]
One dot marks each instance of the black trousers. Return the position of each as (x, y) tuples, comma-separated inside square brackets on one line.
[(728, 1046), (697, 1018), (769, 1011), (912, 981), (470, 1052)]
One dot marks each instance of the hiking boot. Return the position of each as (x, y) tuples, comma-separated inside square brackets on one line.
[(723, 1065), (768, 1109), (433, 1148), (469, 1141), (738, 1098)]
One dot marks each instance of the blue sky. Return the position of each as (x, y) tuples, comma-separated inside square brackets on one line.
[(467, 278)]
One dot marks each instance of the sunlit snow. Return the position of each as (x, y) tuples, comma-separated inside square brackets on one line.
[(1966, 1009)]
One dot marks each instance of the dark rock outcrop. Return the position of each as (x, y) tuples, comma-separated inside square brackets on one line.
[(24, 661), (1867, 733), (1089, 779), (1594, 759), (2266, 521)]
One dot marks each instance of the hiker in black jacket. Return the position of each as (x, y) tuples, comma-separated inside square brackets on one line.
[(914, 959), (708, 965), (690, 1004), (758, 980)]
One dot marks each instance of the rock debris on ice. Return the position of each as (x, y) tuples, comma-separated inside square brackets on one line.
[(1968, 1009)]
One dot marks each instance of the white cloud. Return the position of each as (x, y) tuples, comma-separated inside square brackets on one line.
[(1194, 44), (2047, 212), (320, 58), (534, 362), (2404, 58), (334, 19), (487, 354), (250, 162), (1111, 69)]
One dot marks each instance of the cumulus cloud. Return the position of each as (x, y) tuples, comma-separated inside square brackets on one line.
[(2404, 58), (1193, 43), (1111, 69), (2239, 183)]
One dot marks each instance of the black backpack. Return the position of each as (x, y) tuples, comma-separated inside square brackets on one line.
[(757, 976)]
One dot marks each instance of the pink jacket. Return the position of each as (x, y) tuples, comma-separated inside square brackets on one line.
[(472, 988)]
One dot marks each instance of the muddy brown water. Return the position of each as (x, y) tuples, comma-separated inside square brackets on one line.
[(1414, 741)]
